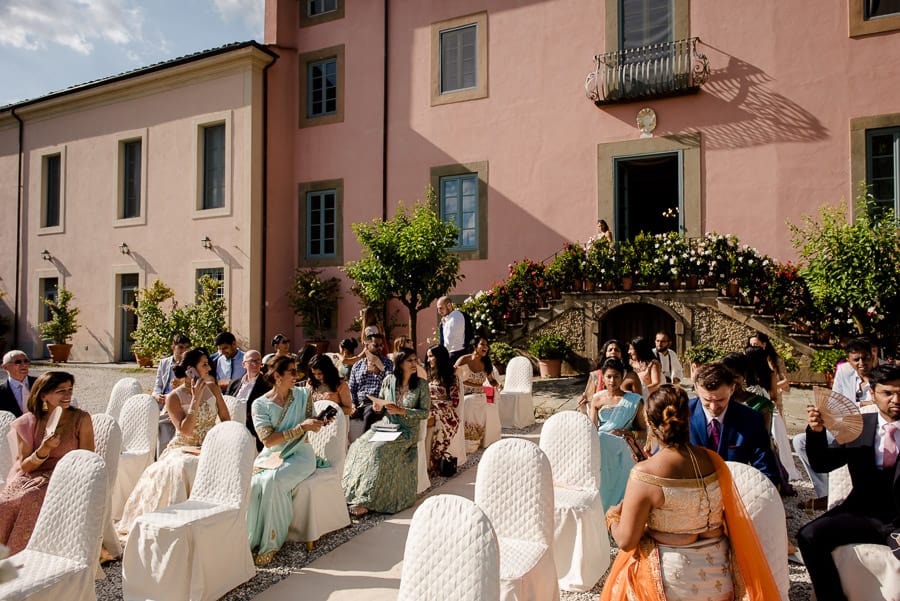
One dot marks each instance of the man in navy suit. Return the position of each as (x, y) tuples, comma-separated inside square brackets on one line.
[(733, 430), (871, 512), (14, 392)]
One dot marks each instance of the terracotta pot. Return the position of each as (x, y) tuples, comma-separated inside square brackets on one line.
[(627, 283), (550, 368), (692, 282), (514, 316), (733, 290), (59, 353), (555, 294), (589, 285), (577, 285), (143, 360), (609, 285), (675, 284), (321, 345), (829, 379)]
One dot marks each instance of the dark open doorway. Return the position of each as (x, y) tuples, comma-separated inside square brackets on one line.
[(648, 195), (635, 319)]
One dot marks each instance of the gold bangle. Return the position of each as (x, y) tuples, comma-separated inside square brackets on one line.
[(39, 458)]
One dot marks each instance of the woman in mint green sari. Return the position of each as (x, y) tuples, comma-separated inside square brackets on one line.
[(282, 417), (616, 414)]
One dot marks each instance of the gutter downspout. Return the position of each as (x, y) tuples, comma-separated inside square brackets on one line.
[(19, 201), (265, 196), (384, 122)]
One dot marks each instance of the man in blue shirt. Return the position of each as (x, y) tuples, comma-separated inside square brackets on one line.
[(229, 360), (366, 377)]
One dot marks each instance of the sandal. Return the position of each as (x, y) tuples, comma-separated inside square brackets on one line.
[(358, 511)]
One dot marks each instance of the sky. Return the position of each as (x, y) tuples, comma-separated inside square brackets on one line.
[(50, 45)]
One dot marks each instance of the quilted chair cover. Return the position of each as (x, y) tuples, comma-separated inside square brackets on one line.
[(319, 503), (514, 487), (121, 392), (580, 541), (451, 553), (515, 402), (61, 557), (139, 420), (7, 458), (868, 572), (765, 507), (236, 409), (422, 455), (198, 549), (108, 444)]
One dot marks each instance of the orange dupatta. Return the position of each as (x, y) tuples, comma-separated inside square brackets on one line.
[(635, 575)]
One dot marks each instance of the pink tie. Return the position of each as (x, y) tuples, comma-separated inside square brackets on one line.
[(890, 446)]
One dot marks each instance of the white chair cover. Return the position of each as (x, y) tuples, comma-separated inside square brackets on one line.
[(451, 553), (198, 549), (335, 358), (237, 409), (580, 540), (139, 420), (319, 503), (121, 392), (61, 557), (515, 401), (783, 444), (422, 455), (868, 572), (7, 458), (764, 505), (108, 444), (514, 487), (839, 486)]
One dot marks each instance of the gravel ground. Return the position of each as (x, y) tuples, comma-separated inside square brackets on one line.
[(93, 384)]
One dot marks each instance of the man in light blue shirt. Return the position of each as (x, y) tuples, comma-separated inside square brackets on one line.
[(229, 360)]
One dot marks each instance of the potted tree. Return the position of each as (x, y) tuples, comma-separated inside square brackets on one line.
[(550, 349), (153, 334), (700, 354), (62, 325), (313, 299), (825, 362)]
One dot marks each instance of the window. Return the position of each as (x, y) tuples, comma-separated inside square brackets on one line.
[(52, 190), (645, 22), (321, 222), (49, 289), (459, 59), (881, 8), (131, 180), (320, 11), (213, 167), (318, 7), (216, 273), (883, 166), (322, 87), (459, 206), (462, 201), (873, 16)]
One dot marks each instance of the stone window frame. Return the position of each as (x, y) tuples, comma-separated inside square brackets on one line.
[(481, 169), (681, 30), (303, 189), (480, 20), (860, 26), (308, 21), (859, 126), (305, 59), (138, 135)]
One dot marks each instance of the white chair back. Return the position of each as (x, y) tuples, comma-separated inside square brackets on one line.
[(514, 487), (236, 409), (71, 518), (766, 509), (139, 420), (226, 466), (108, 445), (121, 392), (518, 375), (451, 553), (572, 446), (7, 458), (335, 358), (330, 442)]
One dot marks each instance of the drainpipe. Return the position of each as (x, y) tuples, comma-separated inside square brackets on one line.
[(384, 123), (265, 196), (19, 200)]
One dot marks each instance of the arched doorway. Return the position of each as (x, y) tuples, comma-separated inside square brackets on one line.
[(635, 319)]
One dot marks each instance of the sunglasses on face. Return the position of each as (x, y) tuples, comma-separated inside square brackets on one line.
[(20, 361)]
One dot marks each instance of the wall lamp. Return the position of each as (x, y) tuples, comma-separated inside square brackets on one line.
[(45, 255), (123, 248), (206, 242)]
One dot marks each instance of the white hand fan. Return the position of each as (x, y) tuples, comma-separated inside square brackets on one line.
[(841, 415), (53, 421)]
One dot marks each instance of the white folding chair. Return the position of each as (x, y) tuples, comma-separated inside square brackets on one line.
[(236, 409), (515, 400), (766, 509), (198, 550), (7, 458), (139, 420), (580, 540), (123, 390), (108, 444), (61, 556), (319, 503), (451, 553), (514, 487)]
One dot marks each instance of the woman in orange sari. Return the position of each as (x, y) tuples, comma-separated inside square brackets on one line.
[(683, 532)]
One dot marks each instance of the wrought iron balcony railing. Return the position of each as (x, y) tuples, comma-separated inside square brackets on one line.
[(668, 69)]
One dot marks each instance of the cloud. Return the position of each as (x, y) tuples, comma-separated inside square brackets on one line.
[(250, 11), (74, 24)]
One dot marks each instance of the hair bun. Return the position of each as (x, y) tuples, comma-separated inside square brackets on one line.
[(179, 370)]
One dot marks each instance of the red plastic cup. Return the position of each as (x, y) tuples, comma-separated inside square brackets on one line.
[(489, 393)]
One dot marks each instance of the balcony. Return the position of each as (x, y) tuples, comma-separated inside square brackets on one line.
[(656, 71)]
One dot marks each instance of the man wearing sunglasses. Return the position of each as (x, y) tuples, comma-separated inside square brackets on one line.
[(15, 390)]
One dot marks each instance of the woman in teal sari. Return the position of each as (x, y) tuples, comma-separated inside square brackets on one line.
[(382, 476), (616, 414), (282, 417)]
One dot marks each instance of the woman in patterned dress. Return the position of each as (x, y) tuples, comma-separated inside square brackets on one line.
[(325, 383), (193, 408), (474, 370), (38, 454), (444, 400), (382, 476)]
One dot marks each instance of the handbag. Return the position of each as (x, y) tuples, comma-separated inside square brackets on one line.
[(447, 469)]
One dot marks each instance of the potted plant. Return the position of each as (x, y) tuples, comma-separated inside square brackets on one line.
[(314, 299), (825, 362), (701, 354), (62, 325), (501, 355), (570, 265), (550, 349), (153, 334), (601, 265)]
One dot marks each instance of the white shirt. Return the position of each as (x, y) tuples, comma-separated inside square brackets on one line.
[(454, 328), (719, 418), (670, 365), (246, 387), (880, 438), (848, 383)]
